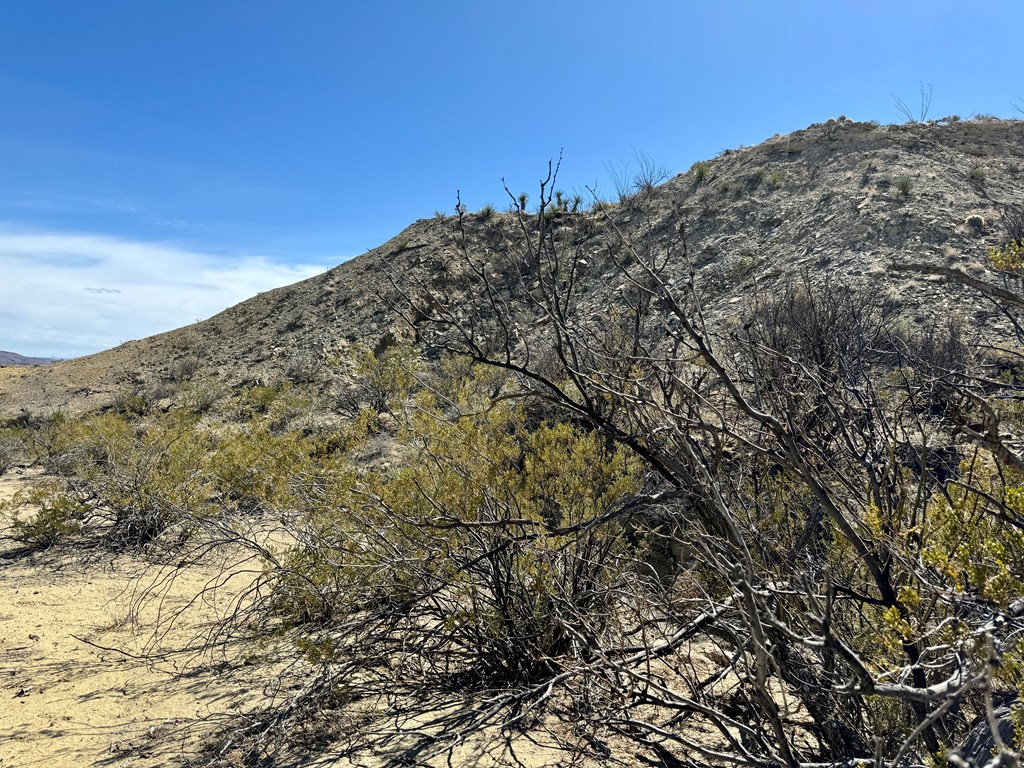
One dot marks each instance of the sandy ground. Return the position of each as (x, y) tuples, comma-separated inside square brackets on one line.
[(74, 688), (98, 668), (94, 673)]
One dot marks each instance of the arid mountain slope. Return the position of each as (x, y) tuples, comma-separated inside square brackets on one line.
[(843, 198)]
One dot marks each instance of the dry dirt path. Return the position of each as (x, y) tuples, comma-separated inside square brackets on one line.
[(65, 700)]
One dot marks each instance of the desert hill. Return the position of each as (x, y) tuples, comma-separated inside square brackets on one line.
[(842, 198)]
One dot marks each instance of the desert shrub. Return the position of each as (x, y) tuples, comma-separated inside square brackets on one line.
[(1012, 219), (201, 396), (908, 114), (258, 397), (254, 468), (939, 358), (1008, 258), (802, 464), (700, 173), (305, 367), (13, 448), (636, 178), (129, 483), (487, 552), (53, 514), (132, 402), (973, 552), (183, 368), (153, 481), (382, 381), (65, 446), (742, 266)]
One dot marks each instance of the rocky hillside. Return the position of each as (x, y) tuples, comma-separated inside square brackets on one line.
[(843, 198)]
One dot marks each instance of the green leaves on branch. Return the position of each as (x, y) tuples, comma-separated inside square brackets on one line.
[(489, 549)]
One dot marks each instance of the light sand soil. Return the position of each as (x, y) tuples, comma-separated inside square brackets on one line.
[(92, 675), (64, 702)]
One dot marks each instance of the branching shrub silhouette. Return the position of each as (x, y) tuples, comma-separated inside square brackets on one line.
[(827, 566)]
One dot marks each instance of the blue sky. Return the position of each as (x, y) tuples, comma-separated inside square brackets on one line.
[(160, 161)]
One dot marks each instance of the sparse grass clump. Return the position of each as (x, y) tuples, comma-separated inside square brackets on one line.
[(700, 173), (904, 185)]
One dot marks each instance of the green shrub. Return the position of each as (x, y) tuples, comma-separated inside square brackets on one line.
[(54, 514), (1008, 258), (742, 266), (485, 549), (132, 402), (258, 398), (383, 381), (135, 482), (255, 468)]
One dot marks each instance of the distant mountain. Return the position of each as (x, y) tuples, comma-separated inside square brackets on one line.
[(13, 358)]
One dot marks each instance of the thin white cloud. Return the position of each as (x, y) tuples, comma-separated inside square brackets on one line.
[(70, 294)]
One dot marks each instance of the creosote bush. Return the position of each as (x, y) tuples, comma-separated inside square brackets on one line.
[(128, 482), (131, 483), (490, 552), (1009, 258)]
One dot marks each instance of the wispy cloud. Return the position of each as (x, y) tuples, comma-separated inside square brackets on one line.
[(70, 294)]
